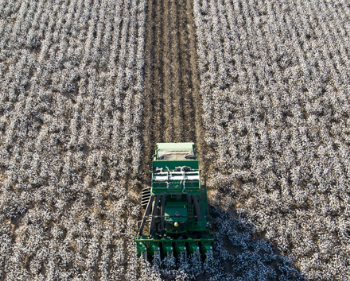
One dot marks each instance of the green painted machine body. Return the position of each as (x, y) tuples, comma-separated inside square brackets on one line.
[(176, 205)]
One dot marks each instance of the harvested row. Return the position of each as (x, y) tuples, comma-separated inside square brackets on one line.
[(171, 78)]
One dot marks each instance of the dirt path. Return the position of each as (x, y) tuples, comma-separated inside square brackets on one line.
[(172, 101)]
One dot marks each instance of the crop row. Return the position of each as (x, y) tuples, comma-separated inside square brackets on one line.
[(275, 84), (70, 109)]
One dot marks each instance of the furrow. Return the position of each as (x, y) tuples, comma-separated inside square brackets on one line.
[(148, 113), (157, 83), (171, 99), (185, 65), (167, 70)]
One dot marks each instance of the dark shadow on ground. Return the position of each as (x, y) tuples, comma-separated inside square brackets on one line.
[(239, 255)]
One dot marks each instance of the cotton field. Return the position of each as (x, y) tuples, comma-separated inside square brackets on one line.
[(275, 85), (87, 87), (71, 100)]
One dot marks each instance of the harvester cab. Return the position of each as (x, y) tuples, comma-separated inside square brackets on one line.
[(176, 219)]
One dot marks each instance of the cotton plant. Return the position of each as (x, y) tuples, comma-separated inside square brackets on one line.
[(285, 68), (49, 92)]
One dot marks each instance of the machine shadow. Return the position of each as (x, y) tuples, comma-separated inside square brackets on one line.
[(242, 255)]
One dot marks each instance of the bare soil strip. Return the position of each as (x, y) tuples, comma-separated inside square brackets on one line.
[(166, 69), (172, 101)]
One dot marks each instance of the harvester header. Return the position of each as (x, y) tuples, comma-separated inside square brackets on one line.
[(176, 219)]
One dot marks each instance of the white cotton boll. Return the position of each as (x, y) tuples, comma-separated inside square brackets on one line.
[(302, 158), (60, 164)]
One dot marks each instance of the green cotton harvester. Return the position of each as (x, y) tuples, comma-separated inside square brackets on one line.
[(176, 220)]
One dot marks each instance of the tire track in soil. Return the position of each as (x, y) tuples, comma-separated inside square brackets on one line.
[(172, 102)]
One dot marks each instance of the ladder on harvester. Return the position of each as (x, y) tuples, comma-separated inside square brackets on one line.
[(146, 195)]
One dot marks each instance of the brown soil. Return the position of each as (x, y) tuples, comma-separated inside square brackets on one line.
[(172, 100)]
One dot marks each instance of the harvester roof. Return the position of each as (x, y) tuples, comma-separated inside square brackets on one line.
[(175, 151), (185, 146)]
